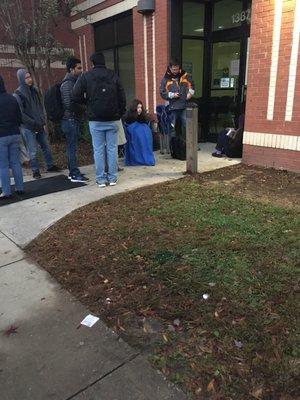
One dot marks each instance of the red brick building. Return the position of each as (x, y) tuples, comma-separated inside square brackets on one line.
[(238, 51)]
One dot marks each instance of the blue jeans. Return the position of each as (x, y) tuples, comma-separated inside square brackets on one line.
[(10, 158), (70, 128), (32, 139), (105, 145), (177, 115)]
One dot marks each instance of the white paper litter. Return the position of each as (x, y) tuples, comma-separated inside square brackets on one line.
[(89, 320)]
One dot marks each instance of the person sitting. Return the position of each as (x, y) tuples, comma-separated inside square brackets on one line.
[(139, 146), (10, 137), (230, 141)]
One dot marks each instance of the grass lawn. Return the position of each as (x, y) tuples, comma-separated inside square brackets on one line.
[(200, 273)]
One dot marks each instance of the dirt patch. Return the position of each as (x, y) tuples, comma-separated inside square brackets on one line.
[(84, 155), (264, 184)]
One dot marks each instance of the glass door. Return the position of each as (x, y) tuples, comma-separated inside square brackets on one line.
[(225, 85)]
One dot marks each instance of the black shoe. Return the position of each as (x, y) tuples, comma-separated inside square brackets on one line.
[(215, 154), (19, 192), (4, 197), (78, 178), (54, 168), (37, 175)]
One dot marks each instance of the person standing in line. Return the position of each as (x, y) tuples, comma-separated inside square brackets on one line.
[(177, 88), (71, 118), (10, 138), (33, 122), (103, 92)]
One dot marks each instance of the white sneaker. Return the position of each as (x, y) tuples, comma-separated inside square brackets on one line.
[(113, 183), (101, 185)]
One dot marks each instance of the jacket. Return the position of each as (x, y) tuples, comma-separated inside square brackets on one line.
[(30, 104), (10, 114), (102, 91), (182, 84), (71, 110)]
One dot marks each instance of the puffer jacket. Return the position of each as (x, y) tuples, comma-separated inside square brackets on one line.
[(71, 109), (181, 83)]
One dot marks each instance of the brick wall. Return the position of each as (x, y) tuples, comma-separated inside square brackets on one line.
[(266, 112), (157, 52)]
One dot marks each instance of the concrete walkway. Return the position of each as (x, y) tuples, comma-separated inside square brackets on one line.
[(47, 355)]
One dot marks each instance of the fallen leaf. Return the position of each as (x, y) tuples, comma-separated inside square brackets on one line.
[(257, 393), (211, 386)]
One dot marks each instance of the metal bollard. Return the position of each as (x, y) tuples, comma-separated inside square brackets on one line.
[(192, 138)]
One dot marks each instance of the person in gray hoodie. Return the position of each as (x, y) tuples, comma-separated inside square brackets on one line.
[(33, 122)]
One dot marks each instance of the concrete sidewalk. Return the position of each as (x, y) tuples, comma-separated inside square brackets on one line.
[(49, 356)]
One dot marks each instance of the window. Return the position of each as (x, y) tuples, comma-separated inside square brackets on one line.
[(193, 19), (192, 62), (229, 14), (114, 38), (225, 65), (126, 71)]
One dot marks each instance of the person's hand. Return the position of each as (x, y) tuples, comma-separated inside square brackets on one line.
[(176, 95), (189, 96)]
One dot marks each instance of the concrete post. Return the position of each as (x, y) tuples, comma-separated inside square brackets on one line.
[(192, 138)]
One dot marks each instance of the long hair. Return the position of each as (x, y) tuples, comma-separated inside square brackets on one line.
[(132, 115)]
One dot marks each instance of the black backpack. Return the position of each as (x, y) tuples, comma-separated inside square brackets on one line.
[(104, 100), (178, 148), (53, 103)]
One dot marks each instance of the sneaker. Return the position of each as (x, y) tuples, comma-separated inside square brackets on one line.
[(54, 168), (5, 197), (120, 169), (101, 185), (82, 175), (78, 178), (36, 175), (113, 183), (216, 154)]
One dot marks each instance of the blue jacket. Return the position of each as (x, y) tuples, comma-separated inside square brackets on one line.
[(10, 114)]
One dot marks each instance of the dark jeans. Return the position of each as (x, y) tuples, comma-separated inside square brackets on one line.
[(70, 128), (223, 142), (175, 116)]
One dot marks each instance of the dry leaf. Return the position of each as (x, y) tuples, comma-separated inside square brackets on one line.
[(257, 393), (211, 386), (165, 338)]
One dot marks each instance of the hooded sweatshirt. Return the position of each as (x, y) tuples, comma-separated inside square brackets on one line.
[(10, 114), (30, 104)]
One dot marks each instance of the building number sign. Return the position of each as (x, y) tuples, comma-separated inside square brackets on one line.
[(241, 16)]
